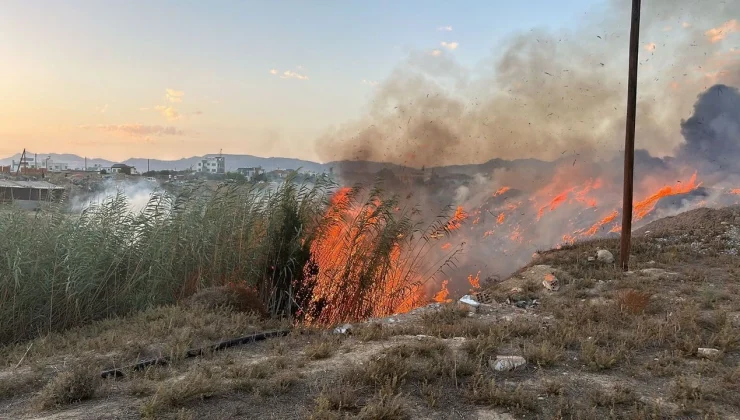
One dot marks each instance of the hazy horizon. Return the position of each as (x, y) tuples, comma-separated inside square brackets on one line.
[(320, 82)]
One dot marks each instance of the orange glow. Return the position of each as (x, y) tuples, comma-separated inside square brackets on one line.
[(644, 207), (605, 221), (501, 191), (474, 281), (500, 218), (487, 233), (457, 219), (344, 288), (735, 191), (516, 235), (577, 194), (443, 293), (447, 246), (568, 239)]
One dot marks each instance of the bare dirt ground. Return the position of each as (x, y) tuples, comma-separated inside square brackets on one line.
[(607, 344)]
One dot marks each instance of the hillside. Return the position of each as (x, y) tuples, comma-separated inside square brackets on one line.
[(661, 341)]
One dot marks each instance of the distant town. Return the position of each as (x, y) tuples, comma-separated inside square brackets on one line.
[(213, 166)]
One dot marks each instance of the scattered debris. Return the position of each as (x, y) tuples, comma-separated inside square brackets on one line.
[(468, 300), (709, 353), (551, 283), (604, 256), (344, 329), (505, 363)]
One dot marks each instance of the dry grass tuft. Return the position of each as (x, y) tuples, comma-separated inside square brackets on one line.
[(197, 384), (15, 384), (485, 391), (597, 357), (77, 384), (385, 406), (544, 354), (634, 301)]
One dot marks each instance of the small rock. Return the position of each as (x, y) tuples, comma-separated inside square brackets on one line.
[(651, 262), (707, 352), (504, 363), (605, 256), (591, 259), (515, 290), (344, 329), (724, 223)]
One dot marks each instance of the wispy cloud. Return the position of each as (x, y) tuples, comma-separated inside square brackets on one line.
[(289, 74), (685, 25), (446, 28), (369, 82), (719, 33), (168, 112), (274, 71), (174, 96), (136, 130), (435, 52), (449, 45), (650, 46)]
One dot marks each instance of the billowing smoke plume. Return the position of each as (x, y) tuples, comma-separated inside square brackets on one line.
[(530, 142), (712, 133), (547, 94)]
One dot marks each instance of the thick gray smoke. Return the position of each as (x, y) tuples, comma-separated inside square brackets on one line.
[(712, 133), (545, 117), (547, 94)]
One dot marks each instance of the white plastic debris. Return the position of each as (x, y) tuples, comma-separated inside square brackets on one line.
[(604, 256), (551, 283), (504, 363), (591, 259), (468, 300), (344, 329), (707, 352)]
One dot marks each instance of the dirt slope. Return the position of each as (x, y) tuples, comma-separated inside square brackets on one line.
[(607, 344)]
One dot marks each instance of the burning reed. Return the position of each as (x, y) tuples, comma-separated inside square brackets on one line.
[(304, 251)]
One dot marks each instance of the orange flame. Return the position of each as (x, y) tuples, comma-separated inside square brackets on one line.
[(474, 281), (606, 220), (457, 219), (446, 246), (501, 191), (735, 191), (500, 219), (644, 207), (443, 294)]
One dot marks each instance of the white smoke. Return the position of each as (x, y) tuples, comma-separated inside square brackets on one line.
[(137, 193)]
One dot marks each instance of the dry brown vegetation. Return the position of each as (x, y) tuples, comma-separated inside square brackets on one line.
[(606, 345)]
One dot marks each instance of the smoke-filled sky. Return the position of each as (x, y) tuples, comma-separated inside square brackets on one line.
[(422, 83)]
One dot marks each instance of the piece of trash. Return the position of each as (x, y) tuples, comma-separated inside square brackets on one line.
[(505, 363), (551, 283), (344, 329), (604, 256), (591, 259), (707, 352), (468, 300)]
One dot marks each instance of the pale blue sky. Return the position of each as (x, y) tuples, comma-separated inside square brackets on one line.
[(77, 75)]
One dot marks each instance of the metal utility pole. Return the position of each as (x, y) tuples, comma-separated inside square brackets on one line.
[(629, 138)]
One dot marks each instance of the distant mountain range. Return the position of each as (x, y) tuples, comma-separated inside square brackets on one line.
[(232, 162)]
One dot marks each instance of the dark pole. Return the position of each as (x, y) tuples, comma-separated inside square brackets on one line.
[(629, 138)]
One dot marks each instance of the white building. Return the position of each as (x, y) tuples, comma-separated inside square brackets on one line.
[(52, 166), (212, 165), (250, 173)]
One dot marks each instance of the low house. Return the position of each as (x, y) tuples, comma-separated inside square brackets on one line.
[(29, 193), (250, 173), (122, 168)]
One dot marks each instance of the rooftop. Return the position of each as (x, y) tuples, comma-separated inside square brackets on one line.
[(39, 185)]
